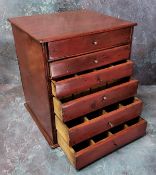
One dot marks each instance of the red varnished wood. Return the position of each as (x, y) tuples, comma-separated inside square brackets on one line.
[(86, 44), (92, 102), (35, 118), (56, 26), (87, 40), (89, 61), (104, 147), (83, 82), (100, 124), (34, 80)]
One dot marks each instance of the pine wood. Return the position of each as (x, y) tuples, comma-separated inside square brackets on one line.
[(86, 81), (104, 146), (89, 103), (91, 127)]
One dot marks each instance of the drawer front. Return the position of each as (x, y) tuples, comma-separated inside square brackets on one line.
[(104, 122), (89, 61), (87, 152), (86, 81), (90, 43), (81, 106), (84, 157), (88, 127)]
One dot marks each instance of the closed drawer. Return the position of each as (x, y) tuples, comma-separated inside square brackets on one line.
[(88, 151), (78, 107), (90, 43), (99, 121), (78, 64), (79, 83)]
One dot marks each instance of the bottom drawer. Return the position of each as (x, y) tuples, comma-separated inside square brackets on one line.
[(98, 146)]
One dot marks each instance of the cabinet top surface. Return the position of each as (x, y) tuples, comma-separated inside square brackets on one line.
[(57, 26)]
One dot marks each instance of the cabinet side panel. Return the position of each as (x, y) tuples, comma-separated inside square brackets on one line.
[(34, 80)]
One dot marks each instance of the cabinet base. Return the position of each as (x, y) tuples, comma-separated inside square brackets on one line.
[(47, 137)]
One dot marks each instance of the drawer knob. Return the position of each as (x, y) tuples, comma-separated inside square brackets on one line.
[(96, 61), (95, 42), (104, 98), (110, 124)]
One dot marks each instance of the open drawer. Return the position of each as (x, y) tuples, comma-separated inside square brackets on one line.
[(88, 151), (85, 81), (70, 66), (68, 110), (83, 128)]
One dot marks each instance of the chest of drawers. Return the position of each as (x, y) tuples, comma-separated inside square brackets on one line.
[(76, 75)]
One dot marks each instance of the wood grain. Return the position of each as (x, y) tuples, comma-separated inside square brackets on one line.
[(92, 102), (103, 147), (90, 43), (33, 73), (69, 24), (100, 124), (90, 128), (90, 80), (89, 61)]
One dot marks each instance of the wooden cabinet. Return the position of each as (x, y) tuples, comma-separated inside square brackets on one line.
[(76, 74)]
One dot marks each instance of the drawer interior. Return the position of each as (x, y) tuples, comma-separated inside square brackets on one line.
[(98, 113), (95, 89), (98, 146), (90, 80), (91, 124), (89, 71), (81, 104), (105, 135)]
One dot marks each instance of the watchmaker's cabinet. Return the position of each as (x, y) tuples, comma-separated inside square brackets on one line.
[(76, 74)]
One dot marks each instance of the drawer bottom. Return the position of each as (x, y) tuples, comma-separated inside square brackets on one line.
[(100, 145)]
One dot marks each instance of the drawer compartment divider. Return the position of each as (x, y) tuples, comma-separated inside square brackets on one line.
[(95, 78), (83, 128), (89, 103), (88, 151)]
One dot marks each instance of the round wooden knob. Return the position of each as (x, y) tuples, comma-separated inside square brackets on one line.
[(96, 61), (95, 42), (104, 98), (110, 124)]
